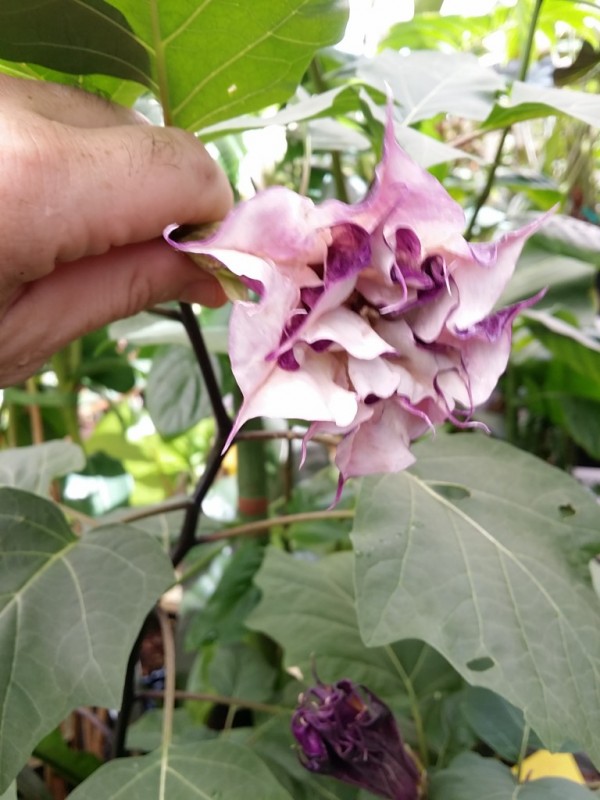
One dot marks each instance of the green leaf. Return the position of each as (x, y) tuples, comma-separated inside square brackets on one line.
[(212, 61), (73, 765), (581, 418), (427, 83), (146, 328), (75, 36), (571, 237), (539, 269), (239, 670), (334, 101), (185, 772), (566, 342), (494, 576), (584, 106), (146, 733), (323, 629), (496, 722), (10, 793), (34, 468), (471, 777), (174, 393), (224, 616), (64, 636)]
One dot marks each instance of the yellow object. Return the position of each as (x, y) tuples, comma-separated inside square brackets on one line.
[(544, 764)]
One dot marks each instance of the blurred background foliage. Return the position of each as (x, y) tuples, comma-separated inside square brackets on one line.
[(504, 108)]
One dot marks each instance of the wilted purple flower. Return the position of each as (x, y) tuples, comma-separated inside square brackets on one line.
[(347, 732), (374, 321)]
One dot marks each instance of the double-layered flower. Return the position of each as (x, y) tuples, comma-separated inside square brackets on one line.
[(373, 321), (346, 731)]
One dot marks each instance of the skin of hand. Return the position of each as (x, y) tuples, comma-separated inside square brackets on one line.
[(86, 188)]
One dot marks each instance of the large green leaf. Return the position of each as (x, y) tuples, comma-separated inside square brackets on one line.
[(174, 393), (471, 777), (75, 36), (206, 61), (198, 771), (482, 551), (309, 609), (581, 105), (70, 610), (566, 343), (539, 269), (33, 468), (427, 83), (214, 60)]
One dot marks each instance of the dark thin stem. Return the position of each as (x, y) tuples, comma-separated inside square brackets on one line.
[(190, 323), (129, 697), (169, 313), (187, 536), (481, 200)]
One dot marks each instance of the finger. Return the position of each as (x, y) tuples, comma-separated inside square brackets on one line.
[(67, 192), (82, 296), (65, 104)]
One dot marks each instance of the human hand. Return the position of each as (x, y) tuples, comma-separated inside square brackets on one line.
[(86, 188)]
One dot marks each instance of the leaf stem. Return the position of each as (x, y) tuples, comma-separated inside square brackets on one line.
[(168, 642), (337, 169), (161, 66), (218, 699), (485, 193), (523, 752), (260, 526), (414, 706)]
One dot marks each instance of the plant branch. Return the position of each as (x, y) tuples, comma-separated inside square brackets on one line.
[(168, 642), (414, 706), (336, 160), (485, 193), (187, 536), (322, 438), (523, 752), (128, 699), (218, 699), (260, 526)]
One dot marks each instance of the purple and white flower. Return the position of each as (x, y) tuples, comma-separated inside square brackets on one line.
[(373, 321)]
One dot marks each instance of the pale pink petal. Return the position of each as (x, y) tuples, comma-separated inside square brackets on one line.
[(276, 224), (309, 393), (255, 330), (346, 328), (481, 279), (381, 444)]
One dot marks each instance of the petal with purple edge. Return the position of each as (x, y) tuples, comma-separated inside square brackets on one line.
[(481, 279), (348, 253), (276, 224), (347, 329), (310, 393), (381, 444), (255, 330), (485, 348)]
